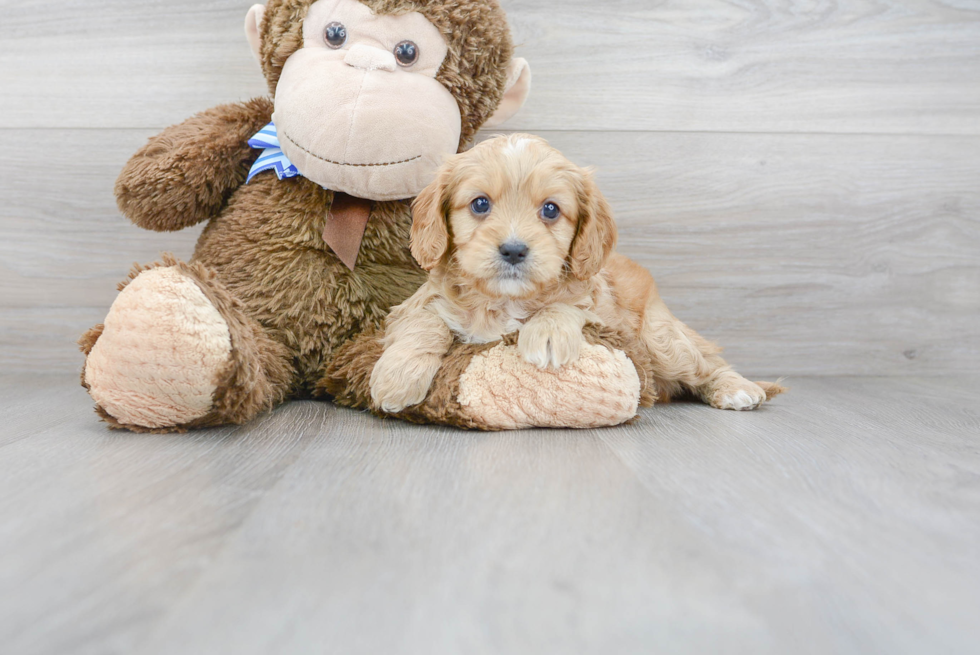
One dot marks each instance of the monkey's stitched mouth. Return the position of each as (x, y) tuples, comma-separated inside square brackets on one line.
[(339, 163)]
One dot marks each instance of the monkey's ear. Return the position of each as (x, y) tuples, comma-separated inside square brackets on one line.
[(515, 95), (253, 30), (596, 236), (430, 234)]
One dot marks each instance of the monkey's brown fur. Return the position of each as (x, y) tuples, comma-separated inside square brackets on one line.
[(261, 261), (349, 376)]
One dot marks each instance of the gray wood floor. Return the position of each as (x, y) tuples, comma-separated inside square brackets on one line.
[(844, 517)]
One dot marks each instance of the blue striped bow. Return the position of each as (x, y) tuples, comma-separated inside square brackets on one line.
[(272, 156)]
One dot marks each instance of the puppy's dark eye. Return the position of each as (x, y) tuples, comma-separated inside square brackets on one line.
[(480, 206), (335, 34), (550, 211), (407, 53)]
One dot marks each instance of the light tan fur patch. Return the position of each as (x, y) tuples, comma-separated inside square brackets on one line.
[(500, 388), (163, 347)]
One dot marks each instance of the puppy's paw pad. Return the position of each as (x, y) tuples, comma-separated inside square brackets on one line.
[(740, 401), (739, 395), (546, 349), (398, 399), (540, 357), (395, 387), (564, 348)]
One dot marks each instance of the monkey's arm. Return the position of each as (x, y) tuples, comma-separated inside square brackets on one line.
[(185, 174)]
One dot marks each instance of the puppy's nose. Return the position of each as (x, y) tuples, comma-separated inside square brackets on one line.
[(514, 252)]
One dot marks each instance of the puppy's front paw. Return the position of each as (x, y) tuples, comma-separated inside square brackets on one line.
[(545, 344), (735, 392), (397, 384)]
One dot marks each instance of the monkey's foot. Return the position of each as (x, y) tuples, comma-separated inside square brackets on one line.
[(503, 391), (492, 387), (173, 354)]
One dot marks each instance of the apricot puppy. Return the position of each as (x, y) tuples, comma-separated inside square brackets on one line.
[(516, 238)]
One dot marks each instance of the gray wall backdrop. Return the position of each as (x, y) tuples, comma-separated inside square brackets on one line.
[(802, 178)]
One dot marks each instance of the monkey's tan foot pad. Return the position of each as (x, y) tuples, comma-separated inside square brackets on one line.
[(492, 387), (501, 390), (160, 354)]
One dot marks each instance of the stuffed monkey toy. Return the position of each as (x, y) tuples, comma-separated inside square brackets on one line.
[(307, 197)]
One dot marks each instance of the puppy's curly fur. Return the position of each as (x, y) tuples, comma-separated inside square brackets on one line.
[(517, 238)]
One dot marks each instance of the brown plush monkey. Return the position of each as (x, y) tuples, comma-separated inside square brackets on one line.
[(369, 95)]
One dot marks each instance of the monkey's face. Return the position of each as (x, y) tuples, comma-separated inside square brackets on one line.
[(358, 108)]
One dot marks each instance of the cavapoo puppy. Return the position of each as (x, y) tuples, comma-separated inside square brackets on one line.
[(519, 239)]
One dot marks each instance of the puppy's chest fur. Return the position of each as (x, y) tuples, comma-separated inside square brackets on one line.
[(475, 318), (484, 323)]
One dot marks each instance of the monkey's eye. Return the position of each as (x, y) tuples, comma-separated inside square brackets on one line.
[(407, 53), (550, 211), (480, 206), (335, 35)]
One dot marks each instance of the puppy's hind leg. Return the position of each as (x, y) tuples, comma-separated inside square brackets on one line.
[(684, 360)]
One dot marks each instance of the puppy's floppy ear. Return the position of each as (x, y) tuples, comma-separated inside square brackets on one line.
[(430, 234), (596, 236)]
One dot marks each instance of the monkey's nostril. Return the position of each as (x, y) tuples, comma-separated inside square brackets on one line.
[(514, 252)]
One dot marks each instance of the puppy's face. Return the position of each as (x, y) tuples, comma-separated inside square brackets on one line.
[(520, 216)]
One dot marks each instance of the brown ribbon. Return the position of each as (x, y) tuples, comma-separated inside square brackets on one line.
[(344, 229)]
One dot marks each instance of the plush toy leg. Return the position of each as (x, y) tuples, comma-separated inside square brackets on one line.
[(177, 352), (500, 389), (491, 387)]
